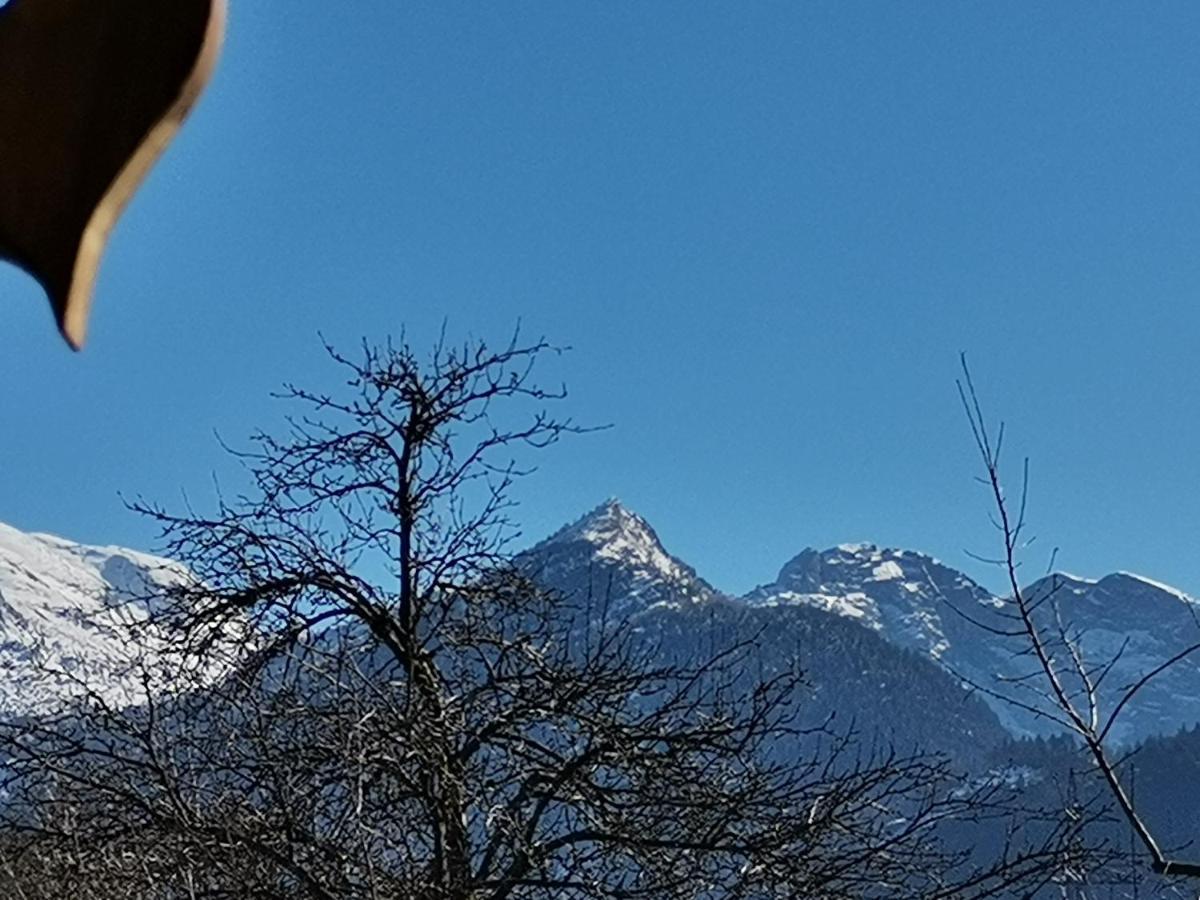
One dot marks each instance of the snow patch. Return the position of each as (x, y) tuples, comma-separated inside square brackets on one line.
[(887, 571), (854, 549)]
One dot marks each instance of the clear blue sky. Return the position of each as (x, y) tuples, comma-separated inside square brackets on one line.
[(767, 229)]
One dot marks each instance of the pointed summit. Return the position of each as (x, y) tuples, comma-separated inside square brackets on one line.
[(613, 542), (607, 523)]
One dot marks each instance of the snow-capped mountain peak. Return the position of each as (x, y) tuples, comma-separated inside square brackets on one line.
[(847, 565), (62, 605), (618, 534), (899, 593), (609, 521), (1136, 624), (613, 542)]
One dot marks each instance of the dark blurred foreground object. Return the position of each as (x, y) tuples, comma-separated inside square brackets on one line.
[(91, 92)]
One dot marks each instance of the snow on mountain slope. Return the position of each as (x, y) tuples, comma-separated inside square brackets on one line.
[(613, 555), (918, 603), (901, 594), (62, 606)]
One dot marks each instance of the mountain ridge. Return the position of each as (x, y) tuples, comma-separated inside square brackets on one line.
[(57, 596), (919, 603)]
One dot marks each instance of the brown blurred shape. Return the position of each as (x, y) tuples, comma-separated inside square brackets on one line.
[(91, 92)]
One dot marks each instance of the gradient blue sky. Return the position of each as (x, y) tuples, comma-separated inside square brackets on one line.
[(766, 229)]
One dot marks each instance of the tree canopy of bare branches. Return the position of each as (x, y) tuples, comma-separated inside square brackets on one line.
[(403, 713)]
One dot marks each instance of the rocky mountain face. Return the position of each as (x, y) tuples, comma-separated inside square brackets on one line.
[(918, 603), (911, 600), (612, 557), (898, 593), (883, 636), (60, 607)]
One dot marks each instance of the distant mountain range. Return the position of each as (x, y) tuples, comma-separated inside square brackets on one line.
[(880, 633), (915, 606), (916, 602), (612, 560)]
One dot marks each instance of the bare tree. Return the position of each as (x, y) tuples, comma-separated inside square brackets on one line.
[(1056, 681), (404, 713)]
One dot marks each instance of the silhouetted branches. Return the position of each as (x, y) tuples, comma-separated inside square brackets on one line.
[(400, 711), (1062, 685)]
